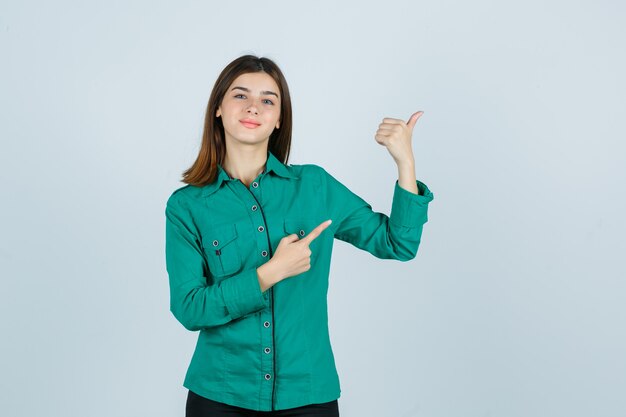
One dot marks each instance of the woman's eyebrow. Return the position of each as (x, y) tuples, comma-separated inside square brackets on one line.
[(267, 93)]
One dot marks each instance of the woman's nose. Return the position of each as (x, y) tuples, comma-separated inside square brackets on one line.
[(253, 107)]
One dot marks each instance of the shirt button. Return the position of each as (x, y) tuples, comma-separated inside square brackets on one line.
[(215, 243), (255, 184), (267, 350), (264, 253), (254, 207), (266, 324), (301, 232), (261, 228), (268, 376)]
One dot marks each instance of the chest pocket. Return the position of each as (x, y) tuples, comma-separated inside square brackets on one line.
[(302, 227), (221, 247)]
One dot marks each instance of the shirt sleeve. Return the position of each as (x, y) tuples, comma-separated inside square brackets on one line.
[(396, 236), (193, 302)]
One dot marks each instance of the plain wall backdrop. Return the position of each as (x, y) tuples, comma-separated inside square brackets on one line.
[(516, 299)]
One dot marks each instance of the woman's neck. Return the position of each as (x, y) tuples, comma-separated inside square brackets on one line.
[(245, 166)]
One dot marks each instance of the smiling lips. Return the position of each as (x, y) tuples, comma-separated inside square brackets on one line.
[(249, 123)]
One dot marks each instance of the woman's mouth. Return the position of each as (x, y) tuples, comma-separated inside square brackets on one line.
[(249, 125)]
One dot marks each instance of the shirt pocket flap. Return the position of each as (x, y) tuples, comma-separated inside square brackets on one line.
[(220, 236), (222, 250), (300, 227)]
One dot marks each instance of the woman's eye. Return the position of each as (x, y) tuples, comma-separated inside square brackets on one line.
[(267, 99)]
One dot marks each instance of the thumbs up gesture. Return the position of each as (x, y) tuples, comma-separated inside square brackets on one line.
[(396, 136)]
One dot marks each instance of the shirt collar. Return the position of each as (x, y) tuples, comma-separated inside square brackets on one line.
[(272, 164)]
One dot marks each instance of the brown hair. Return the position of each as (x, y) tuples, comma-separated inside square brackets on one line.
[(213, 147)]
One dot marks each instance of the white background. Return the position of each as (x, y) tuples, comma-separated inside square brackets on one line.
[(515, 303)]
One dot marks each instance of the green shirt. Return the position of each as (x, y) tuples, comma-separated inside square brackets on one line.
[(271, 350)]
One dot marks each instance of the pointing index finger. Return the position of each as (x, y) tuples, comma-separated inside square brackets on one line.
[(316, 232)]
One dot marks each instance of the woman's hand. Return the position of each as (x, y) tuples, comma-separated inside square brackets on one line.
[(292, 257), (396, 136)]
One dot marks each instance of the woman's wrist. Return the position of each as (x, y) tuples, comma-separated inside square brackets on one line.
[(268, 275)]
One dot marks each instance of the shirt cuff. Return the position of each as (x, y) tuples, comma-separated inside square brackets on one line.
[(242, 294), (408, 209)]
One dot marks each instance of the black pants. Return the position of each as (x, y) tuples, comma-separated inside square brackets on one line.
[(198, 406)]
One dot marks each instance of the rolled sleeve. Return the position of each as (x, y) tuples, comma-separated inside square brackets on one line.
[(242, 294), (409, 209)]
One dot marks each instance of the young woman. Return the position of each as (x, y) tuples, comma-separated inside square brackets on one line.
[(248, 248)]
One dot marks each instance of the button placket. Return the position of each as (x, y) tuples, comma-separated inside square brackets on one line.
[(267, 338)]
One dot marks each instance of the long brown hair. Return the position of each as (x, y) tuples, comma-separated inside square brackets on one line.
[(213, 147)]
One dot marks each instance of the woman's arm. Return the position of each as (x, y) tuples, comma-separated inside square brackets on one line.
[(193, 302), (390, 237), (406, 177), (387, 237)]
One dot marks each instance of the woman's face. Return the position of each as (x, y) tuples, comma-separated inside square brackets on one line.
[(253, 97)]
